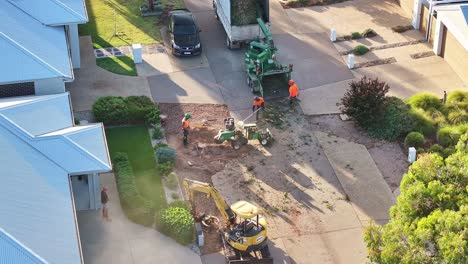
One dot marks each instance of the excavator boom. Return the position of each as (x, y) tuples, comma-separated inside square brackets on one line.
[(223, 207)]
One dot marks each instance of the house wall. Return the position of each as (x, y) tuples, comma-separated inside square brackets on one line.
[(424, 24), (455, 55), (49, 86), (74, 42), (86, 191)]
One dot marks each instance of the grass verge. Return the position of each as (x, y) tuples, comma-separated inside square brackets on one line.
[(136, 143), (132, 27), (123, 65)]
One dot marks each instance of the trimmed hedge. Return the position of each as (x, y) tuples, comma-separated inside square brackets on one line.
[(177, 222), (111, 110), (135, 206), (116, 110), (138, 108), (414, 139)]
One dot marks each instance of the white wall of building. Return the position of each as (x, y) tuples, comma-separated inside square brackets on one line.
[(74, 42), (49, 86)]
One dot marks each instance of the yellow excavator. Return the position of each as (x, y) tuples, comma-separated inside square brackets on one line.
[(245, 238)]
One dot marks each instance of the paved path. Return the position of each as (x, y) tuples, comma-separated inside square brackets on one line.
[(361, 179), (92, 82), (123, 242)]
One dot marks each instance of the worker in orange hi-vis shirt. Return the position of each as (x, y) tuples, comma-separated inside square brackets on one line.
[(258, 103), (293, 92), (186, 127)]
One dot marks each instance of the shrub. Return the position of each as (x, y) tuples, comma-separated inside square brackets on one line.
[(365, 101), (425, 101), (138, 108), (457, 116), (401, 29), (447, 152), (356, 35), (181, 204), (176, 222), (457, 97), (165, 154), (171, 181), (111, 110), (369, 33), (164, 168), (157, 132), (160, 145), (137, 209), (395, 121), (421, 123), (449, 135), (360, 50), (153, 117), (420, 151), (414, 139), (436, 148)]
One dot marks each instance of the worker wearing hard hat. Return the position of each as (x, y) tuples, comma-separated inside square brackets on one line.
[(293, 92), (258, 103), (186, 127)]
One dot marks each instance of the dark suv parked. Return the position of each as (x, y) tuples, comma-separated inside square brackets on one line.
[(183, 31)]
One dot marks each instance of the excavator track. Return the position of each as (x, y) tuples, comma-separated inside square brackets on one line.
[(235, 257)]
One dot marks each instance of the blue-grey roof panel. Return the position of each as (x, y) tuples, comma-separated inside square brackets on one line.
[(54, 12), (12, 251), (35, 201), (93, 140), (47, 46), (44, 115), (464, 9)]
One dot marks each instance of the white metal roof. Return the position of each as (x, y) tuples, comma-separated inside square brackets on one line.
[(30, 49), (54, 12), (35, 197), (454, 19), (12, 251)]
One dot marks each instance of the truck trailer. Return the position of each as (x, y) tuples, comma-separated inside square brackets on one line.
[(239, 19)]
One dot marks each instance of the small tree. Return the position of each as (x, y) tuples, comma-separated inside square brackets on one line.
[(365, 101), (429, 223)]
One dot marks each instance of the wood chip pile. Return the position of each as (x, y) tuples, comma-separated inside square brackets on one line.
[(244, 12)]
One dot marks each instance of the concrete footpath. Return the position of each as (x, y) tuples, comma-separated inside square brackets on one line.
[(122, 241), (360, 178)]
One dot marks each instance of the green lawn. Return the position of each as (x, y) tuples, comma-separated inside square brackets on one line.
[(123, 65), (135, 29), (136, 142)]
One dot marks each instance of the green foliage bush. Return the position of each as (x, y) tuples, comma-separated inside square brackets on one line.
[(138, 108), (165, 154), (449, 135), (457, 97), (425, 101), (394, 122), (153, 117), (157, 132), (171, 181), (111, 110), (369, 33), (365, 101), (448, 151), (457, 115), (429, 223), (164, 168), (414, 139), (116, 110), (137, 209), (176, 222), (421, 123), (360, 50), (356, 35), (436, 148), (401, 29)]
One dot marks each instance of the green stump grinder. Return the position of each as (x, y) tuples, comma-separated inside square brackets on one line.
[(241, 134), (265, 75)]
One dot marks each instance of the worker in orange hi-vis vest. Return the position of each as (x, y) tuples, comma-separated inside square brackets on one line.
[(293, 92), (258, 103), (186, 127)]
